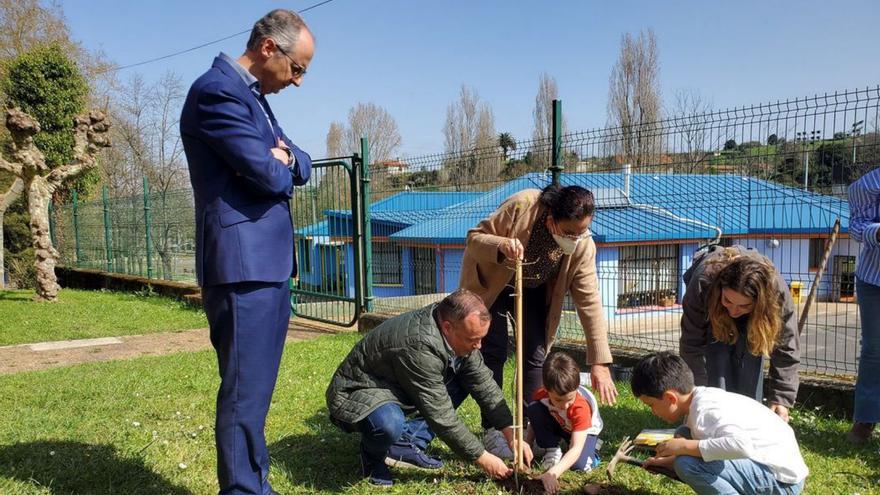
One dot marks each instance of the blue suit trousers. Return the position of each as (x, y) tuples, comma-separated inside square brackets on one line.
[(248, 323)]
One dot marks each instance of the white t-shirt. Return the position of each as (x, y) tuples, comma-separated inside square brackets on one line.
[(733, 426)]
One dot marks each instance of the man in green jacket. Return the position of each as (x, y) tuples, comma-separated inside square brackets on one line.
[(420, 364)]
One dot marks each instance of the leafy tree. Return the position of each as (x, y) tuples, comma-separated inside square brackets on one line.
[(506, 143), (772, 139), (729, 145), (51, 143)]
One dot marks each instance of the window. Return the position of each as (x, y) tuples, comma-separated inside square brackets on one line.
[(648, 275), (817, 249), (387, 264), (304, 262)]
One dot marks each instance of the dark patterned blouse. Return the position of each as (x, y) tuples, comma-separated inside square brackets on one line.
[(542, 257)]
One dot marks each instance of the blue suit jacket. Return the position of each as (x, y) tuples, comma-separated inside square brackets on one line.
[(244, 230)]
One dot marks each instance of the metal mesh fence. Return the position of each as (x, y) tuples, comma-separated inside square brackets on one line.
[(772, 177), (112, 235)]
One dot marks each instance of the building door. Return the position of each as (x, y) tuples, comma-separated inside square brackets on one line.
[(424, 270), (844, 279)]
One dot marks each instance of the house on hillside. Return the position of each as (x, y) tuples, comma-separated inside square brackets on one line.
[(646, 227)]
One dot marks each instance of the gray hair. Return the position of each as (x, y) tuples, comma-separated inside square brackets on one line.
[(461, 303), (283, 26)]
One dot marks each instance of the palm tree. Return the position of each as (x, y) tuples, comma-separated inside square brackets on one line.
[(506, 142)]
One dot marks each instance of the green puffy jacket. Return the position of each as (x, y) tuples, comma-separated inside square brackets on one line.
[(405, 360)]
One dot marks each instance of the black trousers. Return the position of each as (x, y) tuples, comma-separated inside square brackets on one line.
[(495, 343)]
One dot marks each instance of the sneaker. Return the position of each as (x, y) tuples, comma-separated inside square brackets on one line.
[(861, 433), (412, 457), (375, 470), (552, 456), (496, 444), (592, 464)]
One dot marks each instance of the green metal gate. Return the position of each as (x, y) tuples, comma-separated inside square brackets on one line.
[(332, 241)]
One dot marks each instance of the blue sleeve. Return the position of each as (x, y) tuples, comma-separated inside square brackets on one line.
[(227, 127), (863, 198), (302, 165)]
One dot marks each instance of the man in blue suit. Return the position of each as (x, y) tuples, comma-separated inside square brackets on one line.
[(243, 168)]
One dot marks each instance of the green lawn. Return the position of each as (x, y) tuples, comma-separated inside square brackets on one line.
[(145, 427), (81, 314)]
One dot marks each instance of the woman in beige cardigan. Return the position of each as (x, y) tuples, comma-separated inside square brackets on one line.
[(550, 231)]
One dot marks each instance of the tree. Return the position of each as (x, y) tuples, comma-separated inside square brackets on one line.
[(634, 98), (507, 143), (772, 139), (335, 138), (376, 124), (691, 119), (6, 199), (50, 142), (471, 142), (542, 115), (730, 145)]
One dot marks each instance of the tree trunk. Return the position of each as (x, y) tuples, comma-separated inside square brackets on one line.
[(6, 201), (45, 255)]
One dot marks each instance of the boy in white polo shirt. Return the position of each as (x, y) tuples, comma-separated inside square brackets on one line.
[(731, 444)]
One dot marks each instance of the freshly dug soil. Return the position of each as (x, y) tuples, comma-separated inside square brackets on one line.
[(527, 486)]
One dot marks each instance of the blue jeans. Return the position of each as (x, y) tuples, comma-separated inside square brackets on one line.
[(548, 434), (387, 425), (734, 368), (867, 396), (731, 477)]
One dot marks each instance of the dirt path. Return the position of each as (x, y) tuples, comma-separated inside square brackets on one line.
[(27, 357)]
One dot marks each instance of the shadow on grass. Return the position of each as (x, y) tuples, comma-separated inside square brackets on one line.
[(74, 467), (15, 296)]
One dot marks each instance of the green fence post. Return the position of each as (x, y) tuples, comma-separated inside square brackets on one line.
[(52, 224), (108, 242), (76, 229), (556, 152), (367, 230), (148, 227)]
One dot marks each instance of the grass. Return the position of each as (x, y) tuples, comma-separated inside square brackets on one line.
[(145, 427), (80, 314)]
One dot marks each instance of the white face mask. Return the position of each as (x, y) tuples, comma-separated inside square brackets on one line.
[(567, 244)]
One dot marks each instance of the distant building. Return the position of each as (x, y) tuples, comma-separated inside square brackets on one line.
[(646, 227)]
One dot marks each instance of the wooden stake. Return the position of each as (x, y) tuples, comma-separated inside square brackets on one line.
[(814, 289), (519, 464)]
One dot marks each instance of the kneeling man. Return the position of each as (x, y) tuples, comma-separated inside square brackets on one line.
[(420, 364)]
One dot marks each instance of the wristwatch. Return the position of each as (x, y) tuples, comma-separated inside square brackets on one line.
[(289, 156)]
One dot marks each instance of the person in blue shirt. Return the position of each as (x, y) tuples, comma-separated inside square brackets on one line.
[(243, 168), (864, 227)]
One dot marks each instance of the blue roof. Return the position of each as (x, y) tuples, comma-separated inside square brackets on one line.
[(659, 207), (401, 210)]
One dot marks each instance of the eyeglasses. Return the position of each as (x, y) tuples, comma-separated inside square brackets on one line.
[(579, 237), (296, 70)]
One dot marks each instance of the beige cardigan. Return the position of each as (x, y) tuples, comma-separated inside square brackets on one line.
[(485, 272)]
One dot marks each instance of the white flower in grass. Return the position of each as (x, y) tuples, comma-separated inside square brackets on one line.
[(136, 424), (51, 452), (181, 465)]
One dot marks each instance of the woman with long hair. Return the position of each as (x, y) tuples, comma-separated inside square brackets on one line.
[(549, 230), (738, 311)]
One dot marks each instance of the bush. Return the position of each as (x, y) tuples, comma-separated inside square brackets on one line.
[(22, 273)]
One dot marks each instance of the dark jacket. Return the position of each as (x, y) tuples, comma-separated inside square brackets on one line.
[(696, 331), (405, 360), (241, 192)]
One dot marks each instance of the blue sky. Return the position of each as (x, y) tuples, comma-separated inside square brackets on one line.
[(411, 57)]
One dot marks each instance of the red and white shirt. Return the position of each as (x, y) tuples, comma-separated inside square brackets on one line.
[(578, 417)]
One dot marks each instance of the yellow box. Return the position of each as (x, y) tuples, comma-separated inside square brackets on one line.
[(796, 288)]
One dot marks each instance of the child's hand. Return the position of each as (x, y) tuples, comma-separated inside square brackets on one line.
[(551, 483)]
